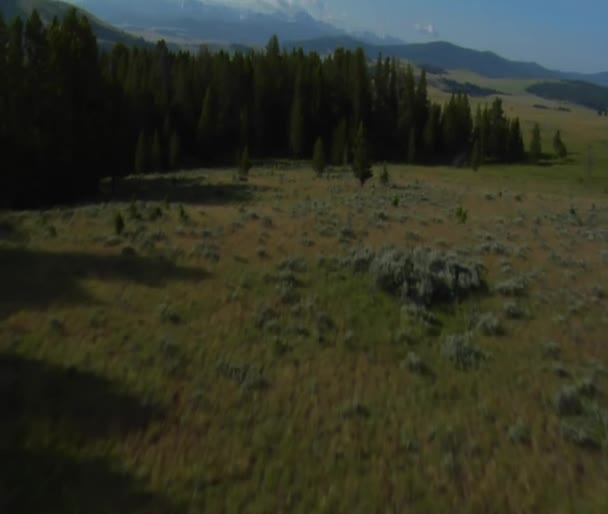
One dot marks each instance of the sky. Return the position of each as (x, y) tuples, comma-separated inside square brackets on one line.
[(570, 35)]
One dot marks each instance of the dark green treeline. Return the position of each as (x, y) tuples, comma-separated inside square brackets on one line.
[(70, 114)]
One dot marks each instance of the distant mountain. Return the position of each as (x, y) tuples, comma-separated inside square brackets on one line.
[(106, 34), (373, 39), (448, 56), (205, 21), (576, 92)]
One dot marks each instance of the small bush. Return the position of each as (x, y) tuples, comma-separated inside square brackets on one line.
[(384, 176), (167, 315), (513, 311), (183, 215), (517, 286), (462, 215), (416, 365), (489, 325), (119, 224), (568, 402), (581, 434), (395, 201), (519, 433), (155, 213), (462, 352), (263, 315), (551, 350)]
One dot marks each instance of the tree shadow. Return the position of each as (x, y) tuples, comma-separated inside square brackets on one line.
[(49, 415), (42, 481), (65, 402), (182, 190), (35, 279)]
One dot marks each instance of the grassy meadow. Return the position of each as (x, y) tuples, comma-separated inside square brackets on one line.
[(229, 348)]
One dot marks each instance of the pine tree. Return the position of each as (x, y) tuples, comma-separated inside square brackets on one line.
[(515, 144), (361, 166), (174, 151), (141, 154), (384, 176), (559, 147), (244, 163), (476, 156), (296, 134), (318, 158), (339, 143), (206, 125), (536, 144), (411, 148), (156, 158)]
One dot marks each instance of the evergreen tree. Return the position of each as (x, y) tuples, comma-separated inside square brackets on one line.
[(174, 151), (318, 158), (141, 154), (206, 125), (361, 165), (536, 144), (559, 147), (476, 155), (339, 144), (244, 163), (411, 148), (384, 176), (296, 138), (515, 145), (156, 157)]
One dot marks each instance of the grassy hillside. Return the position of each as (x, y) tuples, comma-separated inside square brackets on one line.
[(106, 34), (576, 92), (235, 347)]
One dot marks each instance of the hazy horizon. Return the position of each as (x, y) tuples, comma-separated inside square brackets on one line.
[(556, 33)]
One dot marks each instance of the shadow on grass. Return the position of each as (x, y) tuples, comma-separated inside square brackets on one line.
[(65, 402), (35, 482), (183, 190), (33, 279), (49, 414)]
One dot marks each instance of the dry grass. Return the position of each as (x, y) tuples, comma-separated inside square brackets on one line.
[(184, 402)]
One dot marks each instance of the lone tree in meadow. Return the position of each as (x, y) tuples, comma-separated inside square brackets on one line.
[(318, 158), (244, 163), (361, 166), (559, 147), (384, 176), (536, 148)]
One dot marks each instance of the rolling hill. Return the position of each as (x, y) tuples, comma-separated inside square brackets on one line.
[(448, 56), (576, 92)]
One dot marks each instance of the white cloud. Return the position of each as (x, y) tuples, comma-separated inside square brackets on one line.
[(427, 29)]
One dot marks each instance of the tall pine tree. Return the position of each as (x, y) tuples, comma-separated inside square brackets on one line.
[(141, 154), (361, 164), (318, 158), (536, 148)]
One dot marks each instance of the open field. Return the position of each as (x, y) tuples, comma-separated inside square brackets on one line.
[(249, 371), (580, 126), (251, 347)]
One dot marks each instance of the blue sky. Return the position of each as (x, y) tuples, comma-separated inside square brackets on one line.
[(571, 35)]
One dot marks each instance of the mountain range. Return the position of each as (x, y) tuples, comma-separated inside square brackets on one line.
[(190, 23), (195, 20), (448, 56)]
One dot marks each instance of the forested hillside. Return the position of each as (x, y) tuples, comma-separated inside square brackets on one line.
[(71, 114), (588, 95)]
